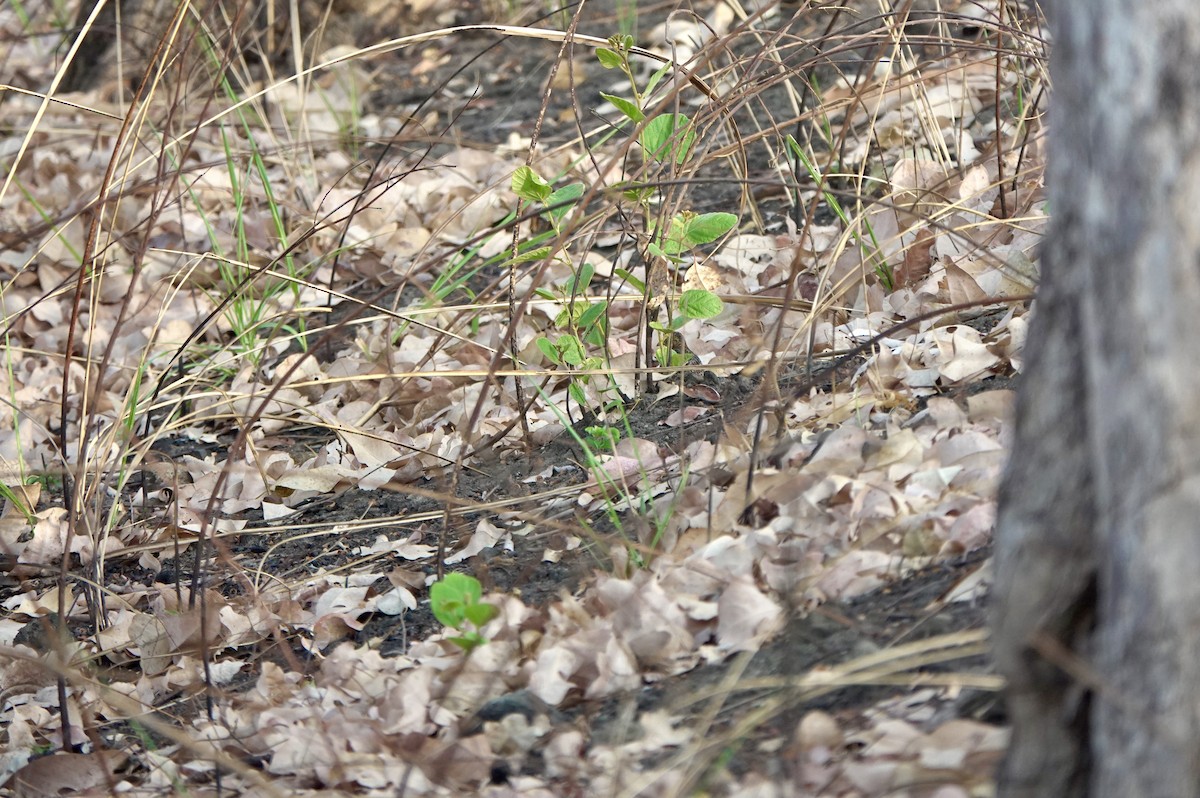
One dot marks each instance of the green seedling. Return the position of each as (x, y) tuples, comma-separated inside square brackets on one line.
[(584, 317), (665, 137), (601, 438), (584, 323), (580, 330), (668, 140), (582, 320), (693, 304), (687, 230), (457, 602)]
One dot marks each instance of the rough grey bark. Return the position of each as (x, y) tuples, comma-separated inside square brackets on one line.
[(1097, 598)]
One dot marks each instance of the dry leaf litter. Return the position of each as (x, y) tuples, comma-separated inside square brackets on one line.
[(866, 488)]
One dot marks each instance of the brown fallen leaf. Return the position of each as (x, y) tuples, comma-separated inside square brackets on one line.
[(52, 776)]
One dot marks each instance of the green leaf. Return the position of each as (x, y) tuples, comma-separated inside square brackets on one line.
[(657, 251), (469, 641), (638, 195), (541, 253), (667, 134), (448, 613), (575, 391), (675, 241), (708, 227), (622, 42), (594, 313), (627, 107), (658, 75), (634, 192), (455, 610), (668, 357), (460, 586), (628, 277), (608, 59), (570, 349), (529, 185), (455, 600), (549, 351), (700, 304), (479, 614), (602, 438), (582, 279), (595, 334), (562, 200)]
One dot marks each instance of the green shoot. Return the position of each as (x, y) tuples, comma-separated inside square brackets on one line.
[(457, 602)]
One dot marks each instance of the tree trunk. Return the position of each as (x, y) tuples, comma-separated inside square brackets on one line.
[(1097, 596)]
